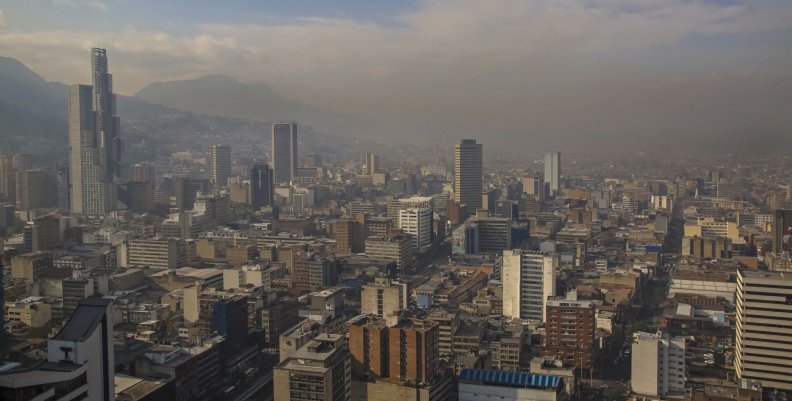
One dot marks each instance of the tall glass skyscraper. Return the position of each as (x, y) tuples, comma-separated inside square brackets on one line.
[(94, 142)]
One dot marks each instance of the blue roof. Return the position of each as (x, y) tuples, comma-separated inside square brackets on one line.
[(512, 379)]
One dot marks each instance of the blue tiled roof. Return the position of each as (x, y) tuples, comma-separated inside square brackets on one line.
[(520, 379)]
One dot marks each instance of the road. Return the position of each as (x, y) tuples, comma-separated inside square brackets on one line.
[(254, 387)]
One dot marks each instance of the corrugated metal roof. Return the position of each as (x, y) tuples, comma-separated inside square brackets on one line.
[(497, 377)]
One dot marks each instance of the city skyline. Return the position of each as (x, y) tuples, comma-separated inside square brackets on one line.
[(592, 85)]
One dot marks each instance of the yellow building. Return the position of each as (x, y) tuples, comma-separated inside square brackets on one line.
[(707, 227)]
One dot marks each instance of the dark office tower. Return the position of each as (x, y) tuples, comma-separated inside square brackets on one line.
[(468, 173), (94, 141), (62, 178), (552, 173), (782, 230), (284, 151), (144, 172), (261, 186), (186, 191), (220, 165)]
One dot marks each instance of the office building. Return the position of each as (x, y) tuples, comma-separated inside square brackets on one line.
[(35, 190), (552, 173), (383, 297), (75, 290), (186, 191), (417, 223), (79, 362), (42, 234), (483, 234), (262, 186), (368, 345), (398, 248), (468, 173), (94, 141), (372, 163), (414, 350), (163, 253), (220, 165), (569, 332), (30, 266), (782, 231), (486, 384), (284, 152), (350, 236), (658, 365), (320, 370), (528, 280), (144, 172), (764, 328)]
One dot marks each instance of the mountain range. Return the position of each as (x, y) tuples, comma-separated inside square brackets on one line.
[(163, 117)]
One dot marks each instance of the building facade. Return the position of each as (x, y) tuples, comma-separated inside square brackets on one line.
[(468, 173), (284, 151), (764, 328), (528, 280)]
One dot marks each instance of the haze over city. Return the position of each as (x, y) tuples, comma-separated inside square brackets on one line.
[(424, 200), (580, 75)]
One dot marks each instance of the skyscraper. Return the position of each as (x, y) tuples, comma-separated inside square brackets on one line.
[(220, 165), (468, 173), (528, 280), (94, 141), (552, 173), (284, 151), (261, 186), (372, 163)]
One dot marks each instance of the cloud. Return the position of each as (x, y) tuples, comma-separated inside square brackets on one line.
[(607, 68), (96, 4), (2, 18)]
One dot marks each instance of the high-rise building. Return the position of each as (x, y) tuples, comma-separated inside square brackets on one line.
[(220, 165), (262, 186), (398, 248), (79, 361), (320, 370), (368, 344), (417, 222), (36, 189), (350, 236), (284, 151), (62, 184), (383, 297), (569, 329), (782, 230), (658, 364), (468, 173), (552, 173), (764, 328), (414, 350), (144, 172), (528, 280), (94, 141), (23, 162), (372, 163)]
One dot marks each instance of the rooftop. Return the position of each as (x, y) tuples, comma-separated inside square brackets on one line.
[(84, 320), (510, 379)]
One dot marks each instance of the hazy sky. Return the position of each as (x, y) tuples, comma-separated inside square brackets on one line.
[(547, 73)]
